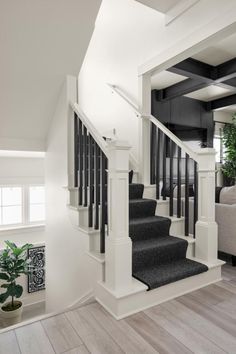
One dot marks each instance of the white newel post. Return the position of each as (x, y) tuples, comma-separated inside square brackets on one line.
[(206, 227), (118, 266), (145, 128)]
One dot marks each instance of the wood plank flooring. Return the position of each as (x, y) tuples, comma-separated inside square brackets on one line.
[(203, 321)]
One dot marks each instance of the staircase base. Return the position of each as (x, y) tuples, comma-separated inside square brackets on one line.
[(138, 299)]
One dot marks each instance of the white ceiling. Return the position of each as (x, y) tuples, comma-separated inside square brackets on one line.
[(160, 5), (210, 93), (215, 55), (165, 79), (41, 42), (219, 53)]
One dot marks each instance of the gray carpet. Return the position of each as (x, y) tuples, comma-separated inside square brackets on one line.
[(158, 258)]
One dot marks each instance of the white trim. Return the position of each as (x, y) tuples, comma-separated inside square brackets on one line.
[(222, 26), (177, 10), (90, 127), (22, 228)]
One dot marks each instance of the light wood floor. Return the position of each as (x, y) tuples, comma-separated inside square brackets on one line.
[(201, 322)]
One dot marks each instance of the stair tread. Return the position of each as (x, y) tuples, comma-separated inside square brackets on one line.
[(157, 276), (159, 242), (148, 220)]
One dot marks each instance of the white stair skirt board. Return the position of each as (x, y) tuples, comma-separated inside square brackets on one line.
[(123, 305), (97, 262), (177, 226)]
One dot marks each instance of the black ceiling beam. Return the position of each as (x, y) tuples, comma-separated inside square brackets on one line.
[(180, 89), (200, 75), (226, 71), (222, 102), (194, 69)]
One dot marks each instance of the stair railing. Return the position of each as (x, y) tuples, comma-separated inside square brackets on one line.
[(165, 149), (101, 174)]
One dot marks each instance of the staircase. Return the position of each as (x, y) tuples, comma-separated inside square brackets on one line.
[(157, 258), (139, 242)]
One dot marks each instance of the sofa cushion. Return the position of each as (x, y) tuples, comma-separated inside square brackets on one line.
[(228, 195)]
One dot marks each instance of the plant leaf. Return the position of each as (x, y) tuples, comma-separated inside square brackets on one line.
[(4, 276)]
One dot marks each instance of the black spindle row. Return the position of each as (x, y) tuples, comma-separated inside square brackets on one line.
[(90, 166), (174, 174)]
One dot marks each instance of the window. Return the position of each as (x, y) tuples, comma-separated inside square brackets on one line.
[(218, 142), (36, 203), (21, 206), (11, 205)]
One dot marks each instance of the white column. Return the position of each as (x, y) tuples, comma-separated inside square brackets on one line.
[(118, 265), (206, 227), (144, 128)]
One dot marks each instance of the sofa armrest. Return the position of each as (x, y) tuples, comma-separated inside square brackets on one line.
[(226, 220)]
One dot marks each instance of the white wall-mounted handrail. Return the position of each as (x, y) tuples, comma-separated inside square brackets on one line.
[(90, 127), (192, 154), (120, 93)]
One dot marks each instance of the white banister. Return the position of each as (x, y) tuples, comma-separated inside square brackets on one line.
[(90, 127)]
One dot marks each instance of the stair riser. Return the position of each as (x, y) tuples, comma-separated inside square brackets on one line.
[(145, 231), (158, 256), (128, 305), (142, 210)]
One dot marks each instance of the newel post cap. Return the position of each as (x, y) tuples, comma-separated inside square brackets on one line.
[(118, 145)]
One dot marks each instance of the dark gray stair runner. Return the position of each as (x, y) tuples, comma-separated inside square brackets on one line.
[(158, 258)]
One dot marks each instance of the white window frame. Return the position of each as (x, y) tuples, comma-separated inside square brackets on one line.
[(25, 209)]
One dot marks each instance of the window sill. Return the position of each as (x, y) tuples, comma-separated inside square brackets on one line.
[(22, 228)]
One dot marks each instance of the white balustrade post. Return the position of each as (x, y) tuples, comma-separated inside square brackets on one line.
[(144, 128), (118, 266), (206, 227)]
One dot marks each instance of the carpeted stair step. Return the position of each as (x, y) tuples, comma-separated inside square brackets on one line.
[(136, 191), (149, 228), (154, 252), (139, 208), (159, 275)]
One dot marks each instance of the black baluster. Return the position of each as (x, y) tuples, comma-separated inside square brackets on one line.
[(171, 205), (152, 153), (80, 162), (158, 164), (195, 198), (186, 214), (85, 168), (164, 167), (91, 182), (103, 202), (76, 152), (96, 185), (179, 183)]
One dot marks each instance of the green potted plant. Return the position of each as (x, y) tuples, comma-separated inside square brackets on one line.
[(13, 264), (229, 141)]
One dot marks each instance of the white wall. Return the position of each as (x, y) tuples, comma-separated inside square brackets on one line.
[(68, 266), (127, 34)]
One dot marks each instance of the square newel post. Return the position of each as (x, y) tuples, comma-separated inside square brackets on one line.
[(118, 265), (144, 128), (206, 227)]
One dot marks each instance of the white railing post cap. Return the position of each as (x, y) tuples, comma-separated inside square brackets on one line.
[(118, 145)]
